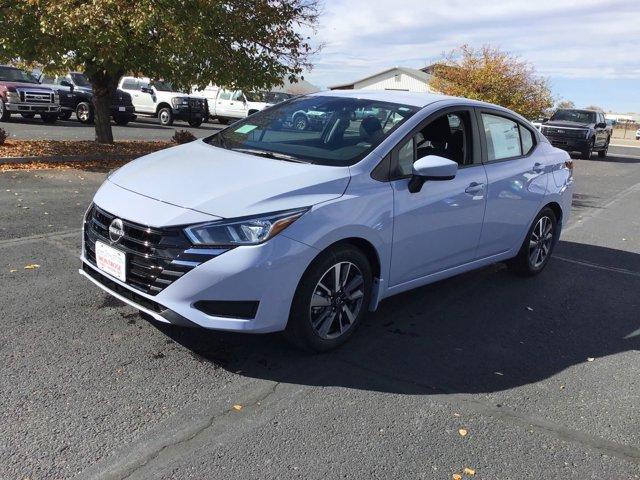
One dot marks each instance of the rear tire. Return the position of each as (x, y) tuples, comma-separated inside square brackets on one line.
[(324, 315), (223, 121), (536, 250), (195, 123), (85, 113), (122, 121)]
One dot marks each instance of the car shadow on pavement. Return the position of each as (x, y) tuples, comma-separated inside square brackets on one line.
[(483, 331), (608, 159)]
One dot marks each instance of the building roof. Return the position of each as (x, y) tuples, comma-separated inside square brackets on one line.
[(414, 72)]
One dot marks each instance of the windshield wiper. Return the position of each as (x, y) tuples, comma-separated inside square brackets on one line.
[(269, 154)]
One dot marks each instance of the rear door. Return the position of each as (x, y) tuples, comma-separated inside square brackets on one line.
[(516, 178)]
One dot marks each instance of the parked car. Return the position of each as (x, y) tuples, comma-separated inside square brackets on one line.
[(638, 134), (575, 130), (159, 99), (262, 227), (538, 123), (21, 93), (76, 96), (231, 105)]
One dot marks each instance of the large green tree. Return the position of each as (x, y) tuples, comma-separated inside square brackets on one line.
[(493, 76), (243, 43)]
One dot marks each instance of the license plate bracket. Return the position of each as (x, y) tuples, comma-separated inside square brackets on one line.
[(111, 261)]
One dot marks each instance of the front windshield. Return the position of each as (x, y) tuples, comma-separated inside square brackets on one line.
[(80, 80), (8, 74), (316, 129), (579, 116), (256, 96)]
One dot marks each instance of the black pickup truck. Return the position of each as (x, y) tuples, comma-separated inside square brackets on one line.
[(575, 130), (76, 96)]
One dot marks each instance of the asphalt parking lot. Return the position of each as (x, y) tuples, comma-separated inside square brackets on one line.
[(542, 373)]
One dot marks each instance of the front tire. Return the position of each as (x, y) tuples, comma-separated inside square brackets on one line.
[(65, 115), (195, 122), (84, 113), (537, 247), (587, 152), (166, 117), (49, 118), (331, 300), (4, 113), (603, 153)]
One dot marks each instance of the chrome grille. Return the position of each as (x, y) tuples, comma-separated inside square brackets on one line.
[(564, 132), (155, 257), (37, 96)]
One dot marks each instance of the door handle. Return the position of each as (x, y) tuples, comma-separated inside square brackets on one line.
[(538, 167), (474, 188)]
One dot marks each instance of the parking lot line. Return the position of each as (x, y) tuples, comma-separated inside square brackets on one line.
[(42, 236), (623, 271)]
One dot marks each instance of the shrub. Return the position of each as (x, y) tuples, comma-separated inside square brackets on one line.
[(3, 136), (183, 136)]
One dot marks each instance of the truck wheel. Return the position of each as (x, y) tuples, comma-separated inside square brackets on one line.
[(28, 115), (84, 113), (300, 122), (120, 120), (586, 153), (603, 153), (4, 113), (223, 121), (166, 117), (195, 122), (49, 118), (66, 115)]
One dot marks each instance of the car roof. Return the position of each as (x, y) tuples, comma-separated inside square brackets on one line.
[(416, 99)]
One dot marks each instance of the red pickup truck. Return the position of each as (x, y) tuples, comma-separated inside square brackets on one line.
[(21, 93)]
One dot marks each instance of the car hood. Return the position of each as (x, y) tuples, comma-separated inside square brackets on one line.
[(229, 184), (24, 85), (566, 123)]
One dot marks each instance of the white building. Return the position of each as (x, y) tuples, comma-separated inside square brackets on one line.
[(396, 78)]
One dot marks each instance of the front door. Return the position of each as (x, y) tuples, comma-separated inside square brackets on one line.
[(438, 227)]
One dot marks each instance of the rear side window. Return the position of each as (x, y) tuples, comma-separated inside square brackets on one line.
[(506, 138)]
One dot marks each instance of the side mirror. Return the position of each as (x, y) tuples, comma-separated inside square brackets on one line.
[(431, 167), (601, 125)]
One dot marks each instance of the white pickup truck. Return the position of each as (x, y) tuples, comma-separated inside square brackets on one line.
[(158, 99), (231, 105)]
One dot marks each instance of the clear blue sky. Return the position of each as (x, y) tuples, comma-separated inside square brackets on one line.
[(588, 49)]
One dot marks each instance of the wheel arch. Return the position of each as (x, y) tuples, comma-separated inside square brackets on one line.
[(556, 208), (162, 105)]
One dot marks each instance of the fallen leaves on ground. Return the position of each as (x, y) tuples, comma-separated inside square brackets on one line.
[(590, 359), (456, 476), (469, 471), (463, 432), (237, 408), (54, 148), (31, 266)]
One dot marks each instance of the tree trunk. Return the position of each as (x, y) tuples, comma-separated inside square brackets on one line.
[(102, 108), (104, 84)]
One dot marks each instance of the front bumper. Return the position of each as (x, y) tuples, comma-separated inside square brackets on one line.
[(32, 108), (266, 274), (187, 113), (569, 144)]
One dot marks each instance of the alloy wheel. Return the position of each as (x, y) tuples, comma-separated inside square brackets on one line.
[(337, 300), (83, 112), (540, 242)]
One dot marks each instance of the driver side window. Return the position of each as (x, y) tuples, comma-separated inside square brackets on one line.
[(446, 136)]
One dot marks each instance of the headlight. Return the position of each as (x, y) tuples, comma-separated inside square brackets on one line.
[(177, 101), (13, 97), (247, 231)]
